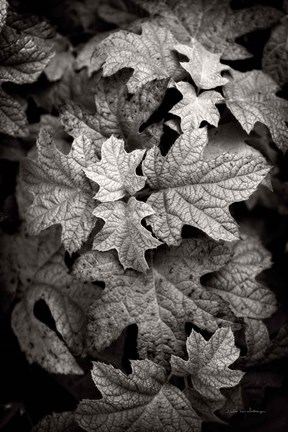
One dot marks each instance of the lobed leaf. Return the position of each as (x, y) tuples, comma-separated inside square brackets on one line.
[(62, 193), (190, 188), (142, 401), (160, 301)]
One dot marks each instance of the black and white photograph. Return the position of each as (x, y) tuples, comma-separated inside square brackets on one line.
[(144, 215)]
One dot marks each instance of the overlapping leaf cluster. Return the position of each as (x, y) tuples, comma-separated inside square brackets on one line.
[(124, 195)]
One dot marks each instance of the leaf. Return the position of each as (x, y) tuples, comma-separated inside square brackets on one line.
[(150, 55), (141, 401), (203, 66), (3, 13), (78, 121), (60, 422), (278, 346), (236, 283), (123, 231), (63, 195), (197, 108), (191, 189), (116, 172), (73, 86), (275, 55), (23, 56), (160, 301), (208, 366), (21, 256), (257, 341), (213, 23), (251, 98), (117, 113), (67, 300)]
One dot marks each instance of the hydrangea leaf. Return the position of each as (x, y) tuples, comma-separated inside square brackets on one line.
[(275, 55), (278, 346), (67, 300), (208, 366), (3, 13), (236, 283), (123, 231), (23, 56), (13, 119), (62, 193), (203, 66), (143, 400), (21, 256), (117, 113), (192, 189), (197, 108), (160, 301), (150, 55), (213, 23), (257, 340), (251, 98), (77, 121), (60, 422), (116, 172)]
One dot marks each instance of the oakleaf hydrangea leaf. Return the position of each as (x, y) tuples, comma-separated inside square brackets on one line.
[(63, 194), (251, 98), (23, 56), (197, 108), (203, 66), (192, 189), (208, 365), (150, 55), (60, 422), (275, 55), (236, 283), (257, 341), (21, 256), (3, 12), (77, 121), (160, 301), (142, 401), (67, 300), (117, 113), (123, 231), (213, 23), (116, 172)]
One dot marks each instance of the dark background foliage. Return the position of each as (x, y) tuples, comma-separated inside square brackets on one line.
[(27, 393)]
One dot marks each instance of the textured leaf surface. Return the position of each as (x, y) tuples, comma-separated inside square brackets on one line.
[(3, 13), (116, 172), (61, 422), (275, 55), (141, 401), (214, 24), (23, 56), (63, 194), (117, 113), (208, 365), (195, 108), (123, 231), (78, 122), (203, 66), (150, 55), (67, 300), (21, 256), (257, 340), (160, 301), (195, 190), (236, 283), (251, 98)]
